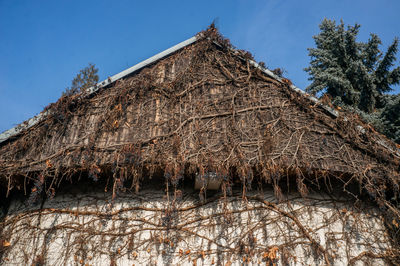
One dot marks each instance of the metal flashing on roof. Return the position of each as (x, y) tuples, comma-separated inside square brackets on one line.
[(142, 64), (27, 124)]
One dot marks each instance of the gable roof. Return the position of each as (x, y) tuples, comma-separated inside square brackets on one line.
[(36, 119), (59, 129)]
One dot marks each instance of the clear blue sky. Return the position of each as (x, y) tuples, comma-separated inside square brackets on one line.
[(44, 44)]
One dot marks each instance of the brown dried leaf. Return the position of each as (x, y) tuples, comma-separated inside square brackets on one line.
[(49, 164), (272, 252), (115, 124), (395, 223)]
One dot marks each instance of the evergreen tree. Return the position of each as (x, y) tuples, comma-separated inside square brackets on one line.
[(356, 75), (86, 78), (352, 73), (391, 118)]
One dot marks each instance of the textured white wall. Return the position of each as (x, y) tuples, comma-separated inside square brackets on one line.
[(85, 229)]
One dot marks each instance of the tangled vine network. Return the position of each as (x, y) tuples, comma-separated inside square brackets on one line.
[(204, 111)]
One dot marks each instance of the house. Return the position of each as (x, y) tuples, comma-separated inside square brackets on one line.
[(199, 156)]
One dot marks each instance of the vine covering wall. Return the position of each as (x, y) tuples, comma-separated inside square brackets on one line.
[(84, 228), (205, 112)]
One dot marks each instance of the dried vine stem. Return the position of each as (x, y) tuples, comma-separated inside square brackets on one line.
[(272, 229), (199, 112)]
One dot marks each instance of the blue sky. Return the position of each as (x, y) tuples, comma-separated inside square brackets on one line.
[(44, 44)]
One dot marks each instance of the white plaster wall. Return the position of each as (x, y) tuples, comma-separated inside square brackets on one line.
[(85, 229)]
